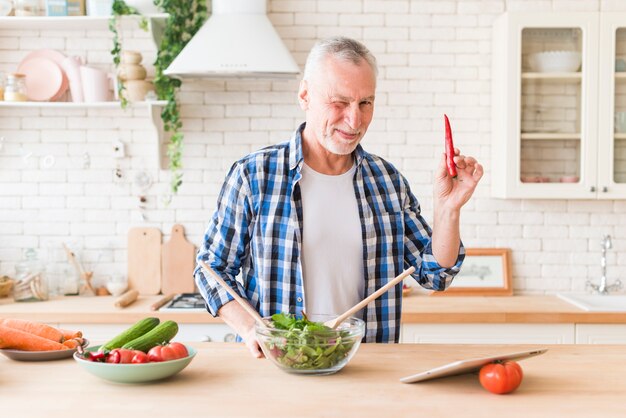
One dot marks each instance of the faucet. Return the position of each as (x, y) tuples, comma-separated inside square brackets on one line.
[(603, 288)]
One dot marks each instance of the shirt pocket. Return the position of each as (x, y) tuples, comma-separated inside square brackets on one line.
[(390, 232)]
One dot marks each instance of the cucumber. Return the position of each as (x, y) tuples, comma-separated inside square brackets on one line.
[(162, 334), (138, 329)]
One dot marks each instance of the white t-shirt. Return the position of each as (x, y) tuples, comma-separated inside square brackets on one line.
[(332, 243)]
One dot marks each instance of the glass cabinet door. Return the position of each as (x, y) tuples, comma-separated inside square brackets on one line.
[(545, 105), (551, 98), (612, 107)]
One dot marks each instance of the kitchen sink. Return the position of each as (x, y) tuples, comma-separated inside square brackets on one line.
[(596, 303)]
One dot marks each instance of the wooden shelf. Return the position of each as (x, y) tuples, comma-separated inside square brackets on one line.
[(153, 107), (67, 22), (538, 136), (564, 77), (620, 136)]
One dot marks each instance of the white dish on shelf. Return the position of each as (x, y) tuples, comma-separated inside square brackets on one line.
[(555, 61), (44, 79)]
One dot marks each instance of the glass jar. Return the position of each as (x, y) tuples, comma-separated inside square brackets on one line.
[(30, 282), (1, 86), (15, 89), (28, 8)]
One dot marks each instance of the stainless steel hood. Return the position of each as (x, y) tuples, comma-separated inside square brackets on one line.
[(238, 40)]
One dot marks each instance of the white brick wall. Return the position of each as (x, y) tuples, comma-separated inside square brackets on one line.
[(435, 58)]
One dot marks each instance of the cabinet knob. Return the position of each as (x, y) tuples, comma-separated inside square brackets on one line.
[(205, 339), (605, 189), (229, 338), (593, 189)]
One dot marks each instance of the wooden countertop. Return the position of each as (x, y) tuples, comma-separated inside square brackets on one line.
[(416, 309), (225, 381)]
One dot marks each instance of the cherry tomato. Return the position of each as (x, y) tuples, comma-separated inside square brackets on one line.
[(139, 357), (171, 351), (501, 377), (121, 355)]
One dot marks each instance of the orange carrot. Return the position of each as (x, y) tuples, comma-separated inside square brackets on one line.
[(22, 340), (32, 327), (68, 335), (73, 343)]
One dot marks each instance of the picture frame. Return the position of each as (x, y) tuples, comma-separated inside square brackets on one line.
[(485, 272)]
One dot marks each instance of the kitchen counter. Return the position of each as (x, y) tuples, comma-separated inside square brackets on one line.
[(417, 309), (225, 381)]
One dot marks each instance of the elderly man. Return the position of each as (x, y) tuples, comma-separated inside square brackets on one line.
[(317, 223)]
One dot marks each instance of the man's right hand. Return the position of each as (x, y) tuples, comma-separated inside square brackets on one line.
[(239, 320)]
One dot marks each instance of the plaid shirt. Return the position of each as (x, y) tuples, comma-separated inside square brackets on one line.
[(257, 228)]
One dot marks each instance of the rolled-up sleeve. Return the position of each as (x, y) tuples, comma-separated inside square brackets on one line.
[(419, 252), (226, 241)]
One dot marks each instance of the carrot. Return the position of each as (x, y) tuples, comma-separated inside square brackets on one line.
[(68, 335), (72, 343), (36, 328), (22, 340)]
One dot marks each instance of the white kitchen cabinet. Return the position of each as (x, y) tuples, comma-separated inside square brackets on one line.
[(600, 334), (488, 333), (101, 333), (554, 132)]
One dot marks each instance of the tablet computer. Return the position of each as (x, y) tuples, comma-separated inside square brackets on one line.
[(469, 365)]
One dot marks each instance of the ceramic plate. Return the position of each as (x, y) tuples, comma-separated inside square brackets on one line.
[(44, 78), (58, 58), (135, 373), (40, 355)]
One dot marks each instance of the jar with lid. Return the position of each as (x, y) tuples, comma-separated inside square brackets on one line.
[(15, 89), (30, 282)]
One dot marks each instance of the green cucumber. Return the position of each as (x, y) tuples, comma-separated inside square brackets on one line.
[(162, 334), (138, 329)]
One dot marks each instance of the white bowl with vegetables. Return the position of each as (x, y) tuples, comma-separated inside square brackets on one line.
[(301, 346), (142, 353)]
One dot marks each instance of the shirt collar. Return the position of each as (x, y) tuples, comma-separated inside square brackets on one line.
[(296, 156)]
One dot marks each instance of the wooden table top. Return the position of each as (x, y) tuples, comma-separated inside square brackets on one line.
[(223, 380)]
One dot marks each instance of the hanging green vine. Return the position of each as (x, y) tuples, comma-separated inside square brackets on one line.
[(185, 17), (120, 8)]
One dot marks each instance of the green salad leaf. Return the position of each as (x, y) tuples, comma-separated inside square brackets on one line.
[(307, 345)]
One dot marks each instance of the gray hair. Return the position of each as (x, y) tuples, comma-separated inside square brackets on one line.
[(340, 47)]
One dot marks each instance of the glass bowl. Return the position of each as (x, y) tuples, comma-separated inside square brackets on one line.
[(311, 350), (555, 61)]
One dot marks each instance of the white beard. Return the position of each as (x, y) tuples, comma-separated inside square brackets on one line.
[(338, 148)]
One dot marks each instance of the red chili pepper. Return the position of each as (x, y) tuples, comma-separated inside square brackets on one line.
[(449, 148)]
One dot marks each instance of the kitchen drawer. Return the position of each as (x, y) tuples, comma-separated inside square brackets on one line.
[(488, 333), (600, 334), (100, 333)]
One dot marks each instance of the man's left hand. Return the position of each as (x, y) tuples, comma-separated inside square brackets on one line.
[(453, 193)]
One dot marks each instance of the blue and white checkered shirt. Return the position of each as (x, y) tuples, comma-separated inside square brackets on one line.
[(257, 228)]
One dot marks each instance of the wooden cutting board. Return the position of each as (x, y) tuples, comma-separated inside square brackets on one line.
[(144, 260), (178, 263)]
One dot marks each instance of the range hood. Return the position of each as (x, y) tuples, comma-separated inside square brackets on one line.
[(238, 40)]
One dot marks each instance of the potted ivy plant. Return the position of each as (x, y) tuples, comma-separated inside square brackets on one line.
[(184, 19)]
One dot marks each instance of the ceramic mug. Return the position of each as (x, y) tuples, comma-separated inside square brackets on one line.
[(97, 84), (620, 122)]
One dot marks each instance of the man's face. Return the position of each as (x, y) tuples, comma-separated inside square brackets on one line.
[(339, 104)]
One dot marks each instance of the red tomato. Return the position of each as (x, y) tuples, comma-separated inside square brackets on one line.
[(121, 355), (139, 357), (171, 351), (501, 377)]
